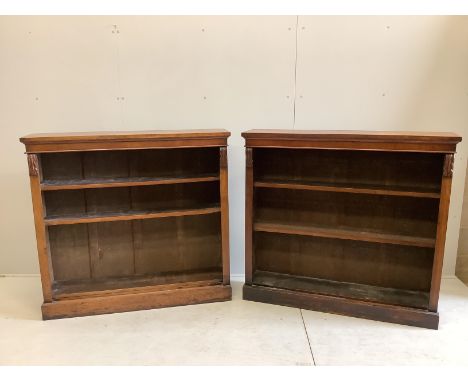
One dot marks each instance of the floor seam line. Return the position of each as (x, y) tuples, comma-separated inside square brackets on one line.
[(308, 339)]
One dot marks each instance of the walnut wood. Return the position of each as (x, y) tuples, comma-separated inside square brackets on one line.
[(348, 188), (345, 234), (448, 166), (354, 140), (135, 301), (133, 284), (340, 305), (403, 297), (130, 220), (33, 165), (60, 295), (249, 195), (77, 219), (350, 222), (41, 233), (113, 140), (441, 232), (223, 184), (129, 182)]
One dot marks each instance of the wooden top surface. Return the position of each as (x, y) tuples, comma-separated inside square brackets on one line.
[(124, 140), (358, 135), (103, 136), (410, 141)]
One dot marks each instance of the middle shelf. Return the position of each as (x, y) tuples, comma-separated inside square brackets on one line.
[(353, 188), (347, 233), (97, 205), (128, 215), (76, 184), (383, 219)]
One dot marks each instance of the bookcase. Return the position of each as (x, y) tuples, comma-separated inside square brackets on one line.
[(348, 222), (129, 221)]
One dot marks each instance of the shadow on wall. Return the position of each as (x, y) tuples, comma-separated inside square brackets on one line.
[(440, 105), (461, 270)]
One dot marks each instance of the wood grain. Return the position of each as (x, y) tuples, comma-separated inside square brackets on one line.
[(129, 182), (441, 233), (403, 297), (97, 218), (135, 301), (63, 142), (345, 306), (249, 203), (353, 189), (130, 220), (345, 234), (135, 284), (223, 189), (348, 222), (354, 140), (42, 240)]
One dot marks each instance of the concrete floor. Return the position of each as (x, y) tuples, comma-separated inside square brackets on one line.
[(228, 333)]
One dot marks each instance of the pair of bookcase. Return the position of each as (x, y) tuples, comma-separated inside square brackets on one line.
[(345, 222)]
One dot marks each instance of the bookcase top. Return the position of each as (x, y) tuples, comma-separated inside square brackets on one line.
[(354, 140), (121, 140)]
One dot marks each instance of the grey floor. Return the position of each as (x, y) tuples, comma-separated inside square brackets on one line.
[(228, 333)]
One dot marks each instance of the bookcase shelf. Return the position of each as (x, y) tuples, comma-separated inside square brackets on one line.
[(348, 222), (138, 284), (402, 297), (124, 216), (345, 234), (350, 188), (128, 221), (77, 184)]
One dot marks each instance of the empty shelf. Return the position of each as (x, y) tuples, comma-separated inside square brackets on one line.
[(351, 188), (347, 234), (135, 284), (403, 297), (131, 215), (75, 184)]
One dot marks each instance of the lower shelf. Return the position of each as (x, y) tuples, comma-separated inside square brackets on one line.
[(129, 215), (340, 305), (401, 297), (345, 234), (135, 284), (131, 301)]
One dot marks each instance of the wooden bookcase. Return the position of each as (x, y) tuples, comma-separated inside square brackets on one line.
[(129, 221), (348, 222)]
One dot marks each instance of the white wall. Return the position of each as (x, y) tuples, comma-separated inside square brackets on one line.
[(237, 73)]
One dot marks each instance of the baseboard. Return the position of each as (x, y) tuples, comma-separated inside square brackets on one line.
[(238, 277), (20, 275), (235, 276)]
